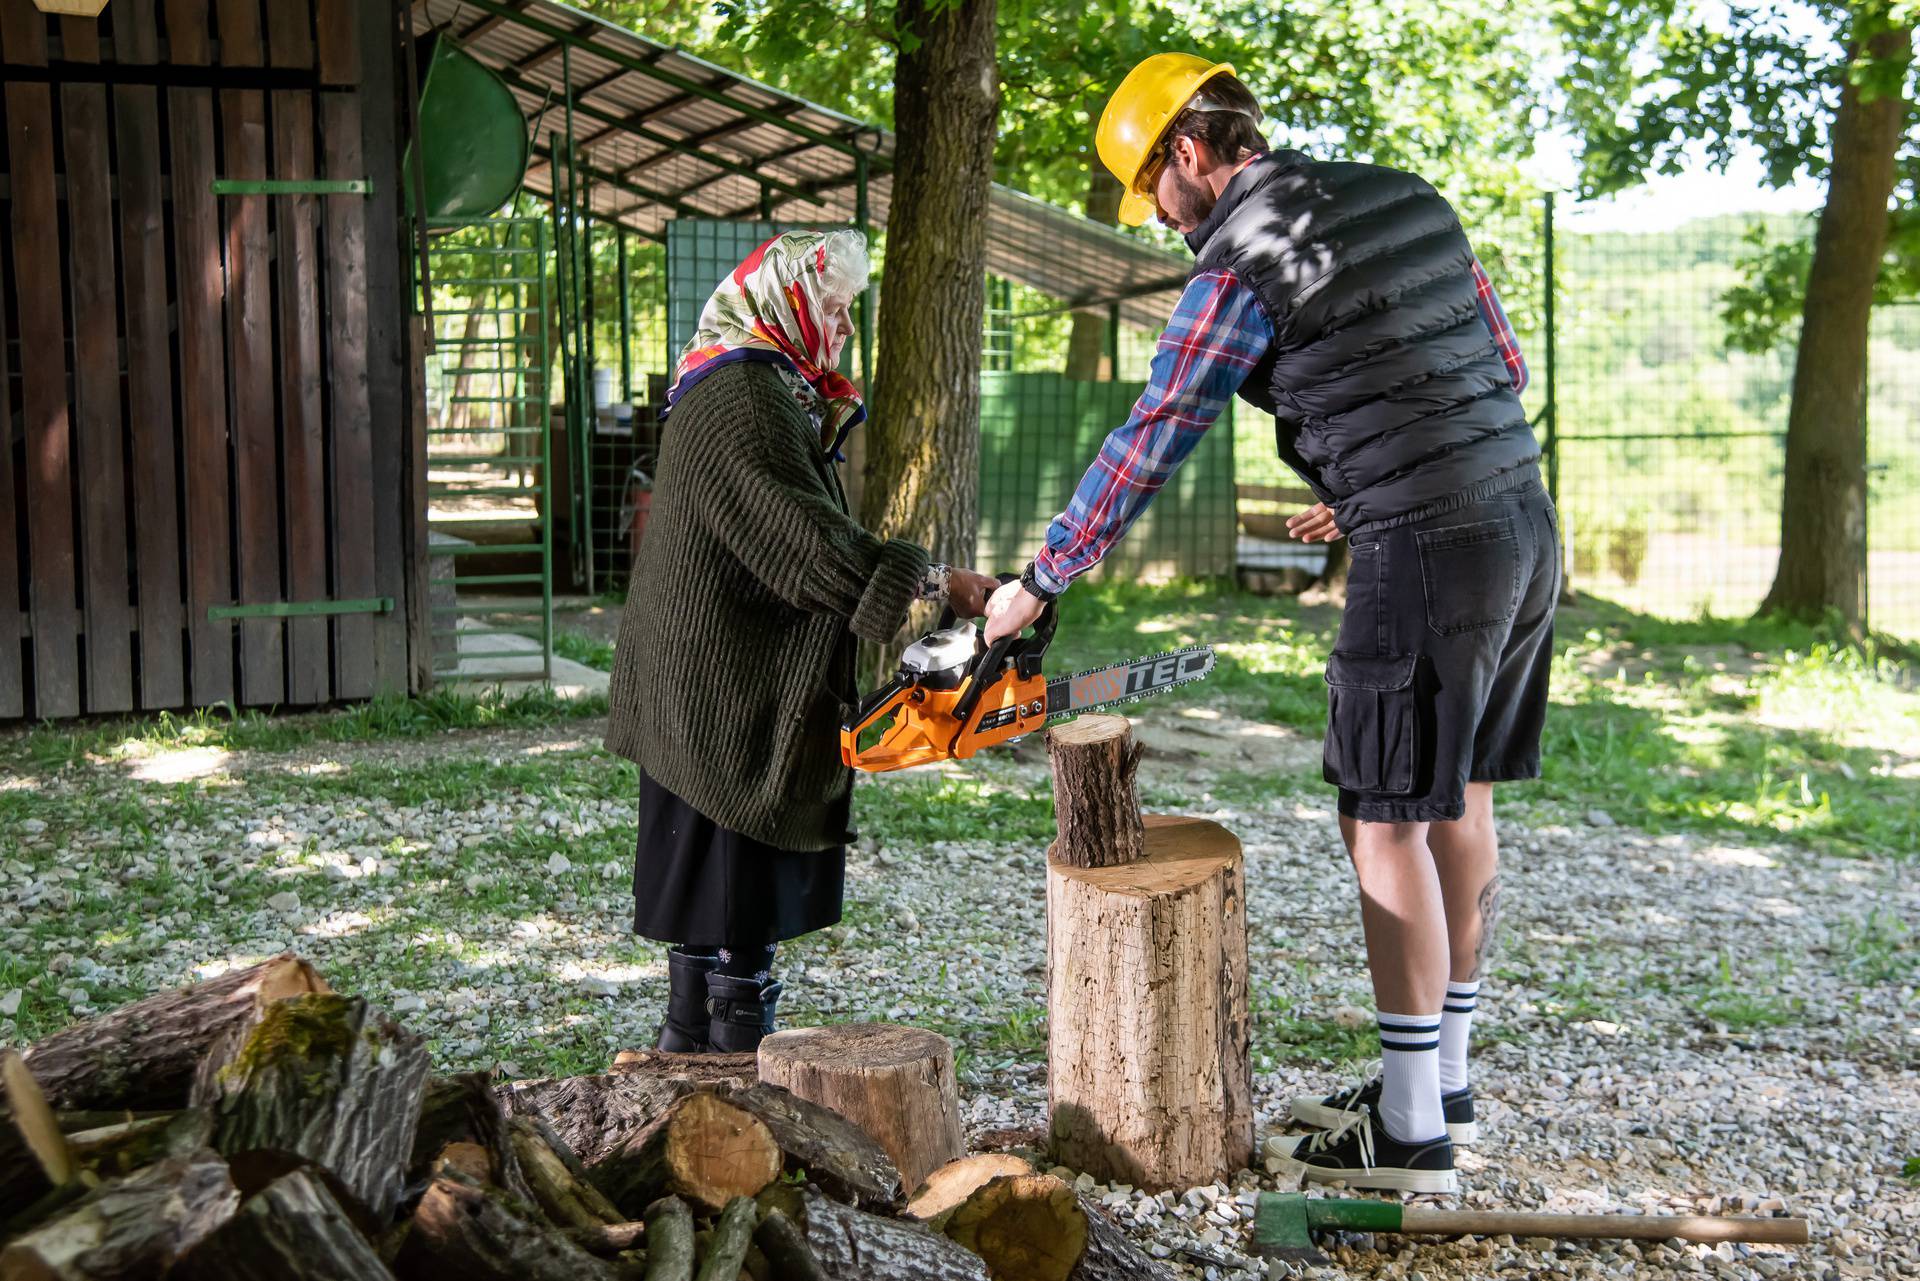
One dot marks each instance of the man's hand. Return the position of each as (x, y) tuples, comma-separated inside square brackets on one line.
[(1012, 608), (967, 592), (1314, 525)]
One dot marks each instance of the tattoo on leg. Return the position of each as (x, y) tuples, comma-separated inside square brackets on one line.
[(1489, 919)]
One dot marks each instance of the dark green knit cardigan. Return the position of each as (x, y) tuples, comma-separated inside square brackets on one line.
[(736, 657)]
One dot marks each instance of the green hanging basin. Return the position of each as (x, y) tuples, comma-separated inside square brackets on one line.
[(473, 138)]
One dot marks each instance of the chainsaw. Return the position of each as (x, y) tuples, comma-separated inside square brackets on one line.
[(955, 694)]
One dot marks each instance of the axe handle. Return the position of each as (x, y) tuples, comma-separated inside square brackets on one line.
[(1640, 1227)]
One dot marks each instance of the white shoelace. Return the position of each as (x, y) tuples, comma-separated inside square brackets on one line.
[(1345, 1100), (1321, 1140)]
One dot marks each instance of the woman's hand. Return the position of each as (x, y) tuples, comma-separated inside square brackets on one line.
[(1314, 525), (967, 592)]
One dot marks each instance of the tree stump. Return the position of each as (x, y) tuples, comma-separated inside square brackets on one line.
[(1149, 1077), (144, 1055), (896, 1083), (1095, 804)]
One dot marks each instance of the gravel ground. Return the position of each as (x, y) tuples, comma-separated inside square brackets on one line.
[(1673, 1024)]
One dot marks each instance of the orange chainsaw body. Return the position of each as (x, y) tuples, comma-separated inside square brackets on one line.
[(927, 728)]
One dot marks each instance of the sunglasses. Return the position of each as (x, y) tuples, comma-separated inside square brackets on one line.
[(1147, 178)]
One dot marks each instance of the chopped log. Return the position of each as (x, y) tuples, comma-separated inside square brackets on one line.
[(955, 1181), (326, 1079), (118, 1150), (839, 1157), (144, 1055), (1035, 1227), (294, 1229), (786, 1248), (595, 1116), (731, 1236), (563, 1196), (137, 1226), (464, 1109), (609, 1238), (464, 1162), (669, 1240), (740, 1070), (896, 1083), (1149, 1077), (852, 1245), (756, 1267), (702, 1148), (467, 1232), (1095, 803)]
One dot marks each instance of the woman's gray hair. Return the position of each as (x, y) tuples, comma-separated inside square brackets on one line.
[(847, 267)]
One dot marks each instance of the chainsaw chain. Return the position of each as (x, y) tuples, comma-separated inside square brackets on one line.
[(1135, 698)]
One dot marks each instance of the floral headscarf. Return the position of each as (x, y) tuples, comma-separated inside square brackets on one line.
[(773, 308)]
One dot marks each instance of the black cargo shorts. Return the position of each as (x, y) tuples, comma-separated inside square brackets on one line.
[(1439, 676)]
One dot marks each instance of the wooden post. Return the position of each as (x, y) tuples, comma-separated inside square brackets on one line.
[(896, 1083), (1149, 1076)]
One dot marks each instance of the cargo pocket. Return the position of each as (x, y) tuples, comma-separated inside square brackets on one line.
[(1373, 723)]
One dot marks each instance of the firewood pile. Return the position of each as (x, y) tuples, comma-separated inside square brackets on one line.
[(262, 1126)]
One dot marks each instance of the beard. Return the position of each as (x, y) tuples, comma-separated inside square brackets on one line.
[(1190, 204)]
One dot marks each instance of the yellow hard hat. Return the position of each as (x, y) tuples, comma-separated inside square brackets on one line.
[(1137, 115)]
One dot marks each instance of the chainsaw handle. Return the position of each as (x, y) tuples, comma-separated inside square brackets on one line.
[(985, 669)]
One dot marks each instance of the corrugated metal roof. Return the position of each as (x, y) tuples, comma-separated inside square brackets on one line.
[(664, 134)]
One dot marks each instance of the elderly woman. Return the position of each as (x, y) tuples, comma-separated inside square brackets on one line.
[(735, 663)]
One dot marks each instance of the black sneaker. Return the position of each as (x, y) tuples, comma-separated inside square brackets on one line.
[(1361, 1154), (1332, 1112)]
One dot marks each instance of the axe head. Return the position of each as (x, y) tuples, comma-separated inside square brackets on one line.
[(1281, 1231)]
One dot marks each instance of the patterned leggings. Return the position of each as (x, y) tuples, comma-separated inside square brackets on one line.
[(752, 961)]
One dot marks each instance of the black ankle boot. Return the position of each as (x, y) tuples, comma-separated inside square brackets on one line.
[(741, 1013), (685, 1029)]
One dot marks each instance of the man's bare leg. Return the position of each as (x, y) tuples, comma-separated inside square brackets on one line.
[(1466, 854), (1403, 911)]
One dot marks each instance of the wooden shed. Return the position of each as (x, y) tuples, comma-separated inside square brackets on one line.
[(207, 478)]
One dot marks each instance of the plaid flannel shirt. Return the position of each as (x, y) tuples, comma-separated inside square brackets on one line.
[(1217, 334)]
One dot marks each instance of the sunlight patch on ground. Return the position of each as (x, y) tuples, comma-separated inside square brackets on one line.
[(338, 925), (1733, 856), (1200, 713), (183, 765), (555, 748), (20, 783)]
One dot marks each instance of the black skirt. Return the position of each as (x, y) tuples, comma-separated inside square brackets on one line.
[(697, 883)]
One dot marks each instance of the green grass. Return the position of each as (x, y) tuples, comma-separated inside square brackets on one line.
[(583, 649), (1752, 729)]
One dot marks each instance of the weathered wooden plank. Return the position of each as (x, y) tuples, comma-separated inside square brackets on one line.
[(13, 689), (250, 369), (43, 370), (302, 414), (143, 257), (399, 488), (201, 283), (99, 435), (351, 431)]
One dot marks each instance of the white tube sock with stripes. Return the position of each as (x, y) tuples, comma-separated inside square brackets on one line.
[(1456, 1021), (1410, 1072)]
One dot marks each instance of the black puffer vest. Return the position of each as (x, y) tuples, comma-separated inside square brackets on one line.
[(1387, 391)]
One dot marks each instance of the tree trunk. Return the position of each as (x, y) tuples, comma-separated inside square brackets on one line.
[(895, 1083), (1095, 803), (1823, 514), (326, 1079), (1087, 344), (144, 1056), (1148, 1073), (923, 446), (293, 1230)]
